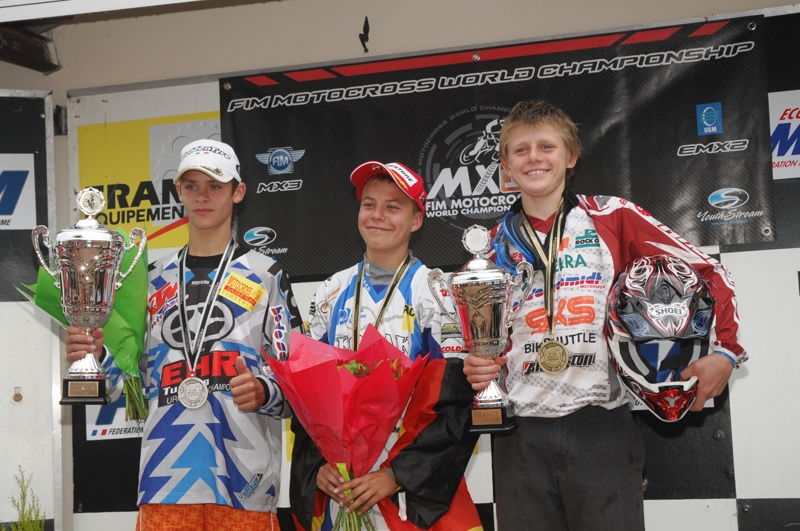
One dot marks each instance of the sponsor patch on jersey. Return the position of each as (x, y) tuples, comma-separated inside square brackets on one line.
[(250, 488), (241, 291)]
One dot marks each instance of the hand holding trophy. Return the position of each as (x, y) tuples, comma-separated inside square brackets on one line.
[(84, 263), (482, 293)]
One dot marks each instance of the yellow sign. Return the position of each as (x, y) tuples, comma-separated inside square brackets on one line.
[(241, 291), (133, 163)]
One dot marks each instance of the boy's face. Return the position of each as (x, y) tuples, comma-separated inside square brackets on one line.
[(387, 217), (208, 203), (537, 160)]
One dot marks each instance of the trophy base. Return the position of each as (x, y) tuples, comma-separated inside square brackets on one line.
[(493, 420), (84, 391)]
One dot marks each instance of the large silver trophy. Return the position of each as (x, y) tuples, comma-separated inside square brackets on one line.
[(483, 296), (85, 262)]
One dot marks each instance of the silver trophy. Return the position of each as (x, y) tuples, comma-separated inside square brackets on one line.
[(85, 266), (483, 297)]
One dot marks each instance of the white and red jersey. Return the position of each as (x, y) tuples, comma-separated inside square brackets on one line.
[(601, 235)]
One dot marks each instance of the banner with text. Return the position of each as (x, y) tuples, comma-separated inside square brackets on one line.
[(674, 118)]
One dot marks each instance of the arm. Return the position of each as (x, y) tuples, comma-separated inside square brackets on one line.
[(281, 317), (631, 232)]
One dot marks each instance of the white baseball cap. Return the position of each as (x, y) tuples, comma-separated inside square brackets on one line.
[(215, 159)]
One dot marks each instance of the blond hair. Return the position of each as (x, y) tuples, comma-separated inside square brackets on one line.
[(536, 113)]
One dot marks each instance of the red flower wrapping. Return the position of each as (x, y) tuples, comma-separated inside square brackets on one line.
[(349, 418)]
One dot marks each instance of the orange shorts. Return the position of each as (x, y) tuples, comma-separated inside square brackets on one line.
[(193, 517)]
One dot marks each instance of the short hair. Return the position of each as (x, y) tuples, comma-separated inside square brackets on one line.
[(537, 113)]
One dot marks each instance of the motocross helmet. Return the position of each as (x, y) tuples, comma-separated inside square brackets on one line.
[(660, 314)]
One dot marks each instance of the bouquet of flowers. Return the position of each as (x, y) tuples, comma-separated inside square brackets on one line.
[(124, 330), (348, 401)]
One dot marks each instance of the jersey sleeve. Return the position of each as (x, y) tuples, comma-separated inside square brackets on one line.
[(630, 232), (282, 317)]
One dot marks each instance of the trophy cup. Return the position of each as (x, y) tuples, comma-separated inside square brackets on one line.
[(482, 293), (86, 260)]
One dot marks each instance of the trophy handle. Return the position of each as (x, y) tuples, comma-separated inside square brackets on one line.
[(511, 309), (45, 234), (437, 276), (142, 240)]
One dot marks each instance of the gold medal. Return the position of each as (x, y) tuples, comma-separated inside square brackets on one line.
[(553, 356)]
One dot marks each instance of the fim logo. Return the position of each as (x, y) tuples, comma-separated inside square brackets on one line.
[(709, 119), (280, 161)]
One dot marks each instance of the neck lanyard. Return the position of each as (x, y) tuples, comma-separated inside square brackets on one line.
[(549, 257), (192, 351), (396, 278)]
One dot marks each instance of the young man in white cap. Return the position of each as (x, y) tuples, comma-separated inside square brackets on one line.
[(211, 443), (420, 471)]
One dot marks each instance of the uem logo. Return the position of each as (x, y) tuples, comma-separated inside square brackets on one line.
[(728, 198), (258, 236), (709, 119), (11, 185)]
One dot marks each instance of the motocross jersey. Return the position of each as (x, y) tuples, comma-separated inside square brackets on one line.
[(601, 235), (416, 325), (214, 453)]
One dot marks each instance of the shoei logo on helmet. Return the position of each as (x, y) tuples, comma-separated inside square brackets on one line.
[(661, 311), (728, 198), (659, 315)]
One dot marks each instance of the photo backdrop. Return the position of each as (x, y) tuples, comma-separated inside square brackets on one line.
[(674, 118)]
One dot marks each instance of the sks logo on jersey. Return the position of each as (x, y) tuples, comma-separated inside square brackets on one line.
[(730, 146), (460, 162), (162, 301), (250, 488), (280, 160), (571, 311), (280, 335), (589, 238), (215, 368), (709, 119)]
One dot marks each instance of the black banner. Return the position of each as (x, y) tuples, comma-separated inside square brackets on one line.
[(674, 118)]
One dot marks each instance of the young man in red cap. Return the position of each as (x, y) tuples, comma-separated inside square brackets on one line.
[(389, 289), (211, 445)]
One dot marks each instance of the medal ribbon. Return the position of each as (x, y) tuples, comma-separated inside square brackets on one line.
[(549, 257), (192, 352), (396, 278)]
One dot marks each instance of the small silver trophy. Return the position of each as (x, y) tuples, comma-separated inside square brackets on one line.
[(482, 293), (86, 260)]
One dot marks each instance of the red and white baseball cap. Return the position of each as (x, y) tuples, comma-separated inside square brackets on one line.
[(409, 182), (215, 159)]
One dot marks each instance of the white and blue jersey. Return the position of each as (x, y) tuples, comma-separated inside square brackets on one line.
[(215, 453)]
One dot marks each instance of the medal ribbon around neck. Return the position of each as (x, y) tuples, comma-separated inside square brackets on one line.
[(396, 278), (549, 257), (192, 352), (553, 356)]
